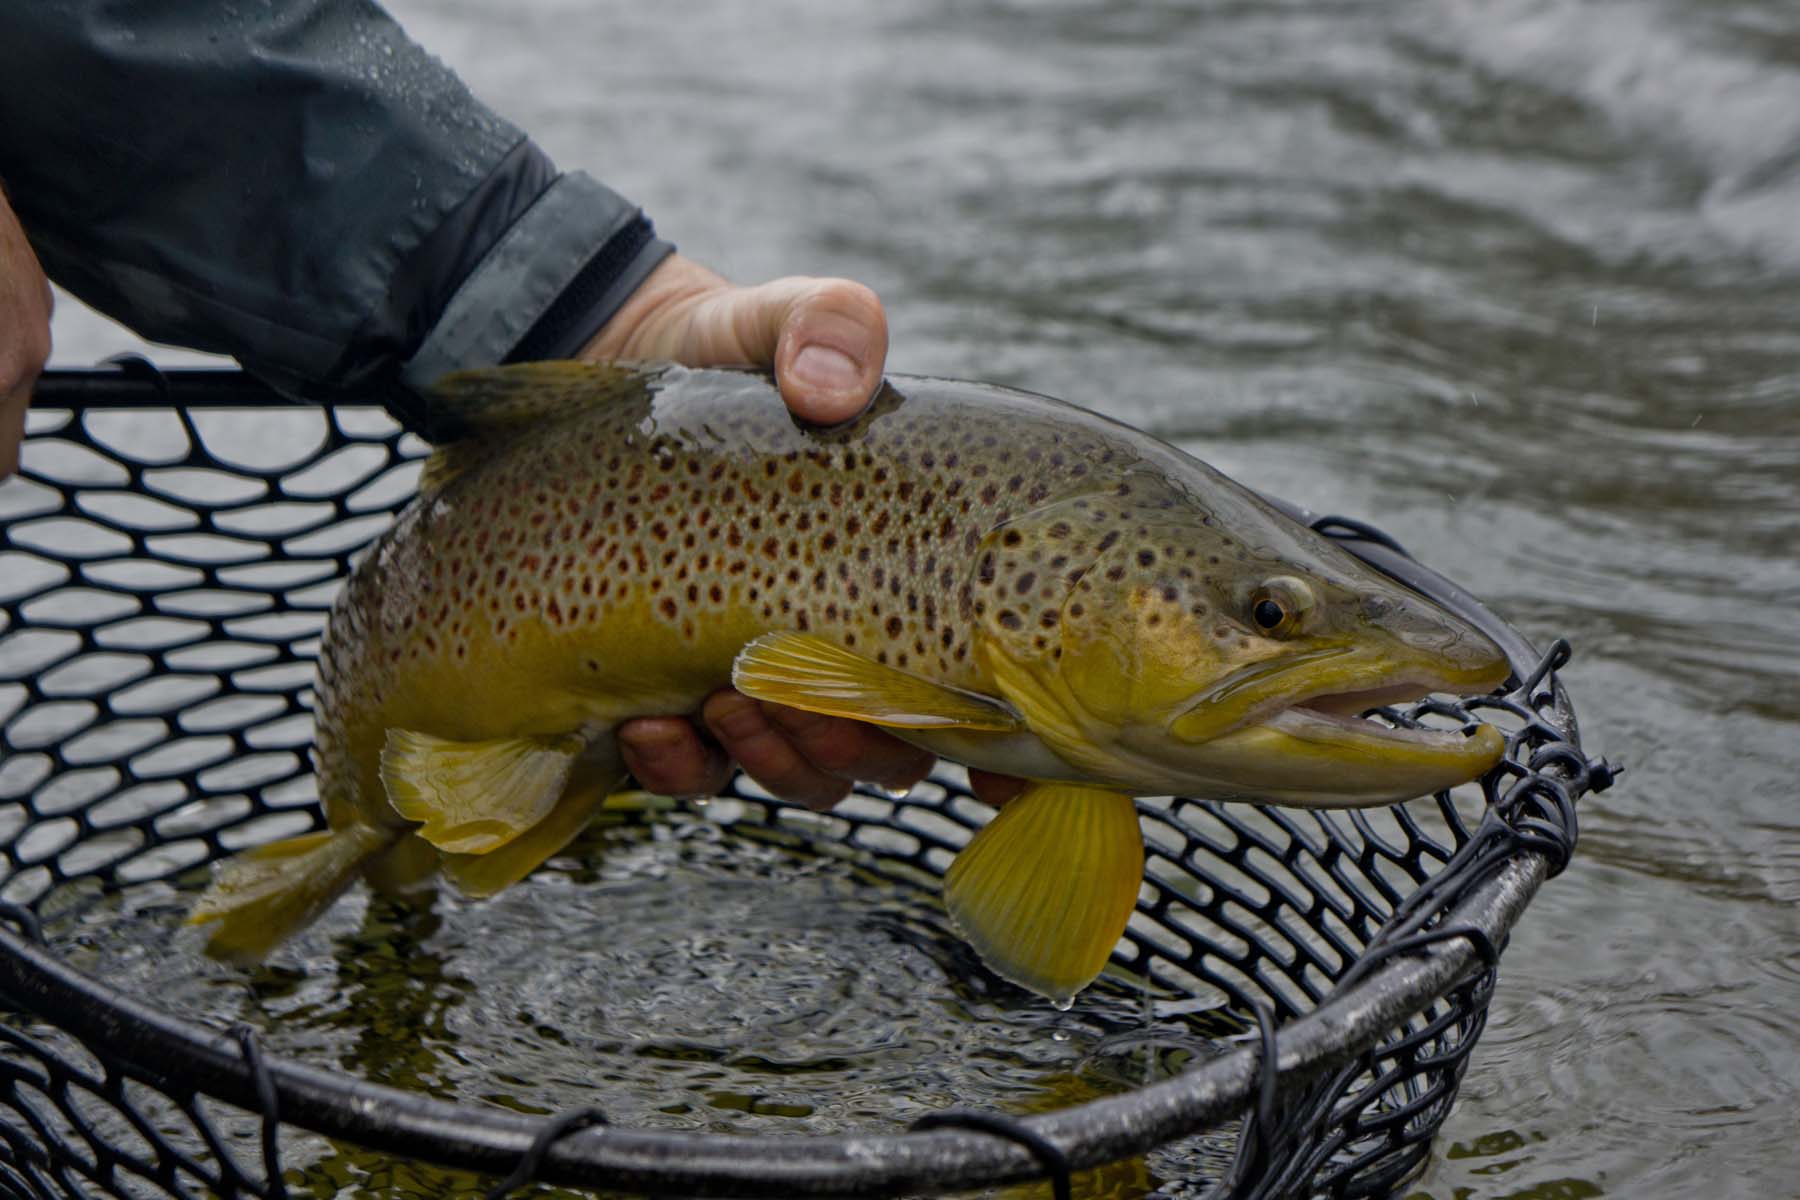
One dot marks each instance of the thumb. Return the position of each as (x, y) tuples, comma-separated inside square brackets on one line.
[(827, 340)]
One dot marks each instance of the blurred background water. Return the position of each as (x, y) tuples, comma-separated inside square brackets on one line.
[(1520, 280)]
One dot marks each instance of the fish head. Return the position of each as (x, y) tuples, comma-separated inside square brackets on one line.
[(1220, 649)]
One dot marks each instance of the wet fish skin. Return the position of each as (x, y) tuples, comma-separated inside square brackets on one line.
[(606, 543)]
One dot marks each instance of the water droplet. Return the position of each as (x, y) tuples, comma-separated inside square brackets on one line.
[(1060, 1035), (895, 794), (1064, 1004)]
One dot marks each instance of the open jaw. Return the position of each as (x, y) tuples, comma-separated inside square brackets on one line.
[(1337, 717), (1317, 757), (1310, 724), (1317, 752)]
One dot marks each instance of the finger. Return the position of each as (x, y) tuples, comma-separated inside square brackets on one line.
[(12, 427), (765, 752), (993, 789), (669, 756), (851, 750)]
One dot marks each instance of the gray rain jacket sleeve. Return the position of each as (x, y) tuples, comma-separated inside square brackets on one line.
[(297, 184)]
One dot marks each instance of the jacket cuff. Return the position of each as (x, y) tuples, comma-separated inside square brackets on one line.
[(565, 266)]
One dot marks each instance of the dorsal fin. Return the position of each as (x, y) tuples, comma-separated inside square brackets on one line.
[(472, 412)]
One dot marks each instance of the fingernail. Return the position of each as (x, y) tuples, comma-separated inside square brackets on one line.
[(826, 368)]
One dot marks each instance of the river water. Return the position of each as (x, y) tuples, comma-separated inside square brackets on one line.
[(1519, 280)]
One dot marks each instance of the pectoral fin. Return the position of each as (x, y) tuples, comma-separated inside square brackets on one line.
[(802, 670), (473, 797), (1044, 891)]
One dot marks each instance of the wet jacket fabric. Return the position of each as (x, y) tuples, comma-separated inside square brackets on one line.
[(297, 184)]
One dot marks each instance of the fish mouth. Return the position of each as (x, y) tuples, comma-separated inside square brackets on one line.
[(1321, 752), (1328, 686), (1313, 747), (1340, 716)]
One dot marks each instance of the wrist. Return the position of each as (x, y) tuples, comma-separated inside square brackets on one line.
[(644, 327)]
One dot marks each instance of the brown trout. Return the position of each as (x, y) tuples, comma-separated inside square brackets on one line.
[(1006, 580)]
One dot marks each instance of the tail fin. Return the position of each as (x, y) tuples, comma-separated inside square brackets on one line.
[(268, 893)]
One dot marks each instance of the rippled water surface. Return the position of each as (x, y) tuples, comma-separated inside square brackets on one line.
[(686, 970), (1518, 279)]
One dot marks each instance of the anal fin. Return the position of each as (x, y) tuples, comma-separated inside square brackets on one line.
[(1044, 892), (474, 797), (803, 670), (482, 875)]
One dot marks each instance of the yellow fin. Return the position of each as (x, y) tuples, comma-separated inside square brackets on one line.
[(473, 797), (266, 893), (1044, 891), (483, 875), (472, 413), (802, 670)]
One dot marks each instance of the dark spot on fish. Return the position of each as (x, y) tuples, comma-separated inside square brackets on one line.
[(1026, 582), (1010, 619)]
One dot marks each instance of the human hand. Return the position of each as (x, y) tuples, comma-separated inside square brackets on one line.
[(827, 340), (25, 303)]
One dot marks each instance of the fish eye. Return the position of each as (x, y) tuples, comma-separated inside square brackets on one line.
[(1279, 606)]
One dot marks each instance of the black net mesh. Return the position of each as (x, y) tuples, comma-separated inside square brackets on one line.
[(165, 571)]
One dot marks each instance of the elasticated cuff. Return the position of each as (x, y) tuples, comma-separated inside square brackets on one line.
[(579, 238)]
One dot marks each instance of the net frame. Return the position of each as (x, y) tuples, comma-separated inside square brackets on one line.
[(1364, 944)]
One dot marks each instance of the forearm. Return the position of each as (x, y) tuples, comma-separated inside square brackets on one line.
[(301, 187)]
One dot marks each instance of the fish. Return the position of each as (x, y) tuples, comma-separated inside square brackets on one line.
[(1011, 582)]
